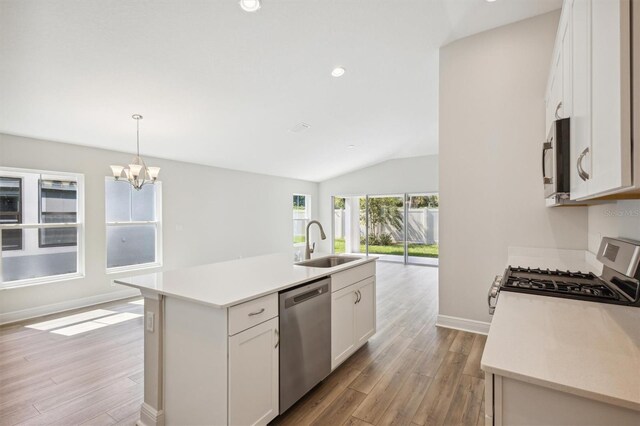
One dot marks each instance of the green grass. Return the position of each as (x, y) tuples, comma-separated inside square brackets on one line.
[(418, 250), (298, 239)]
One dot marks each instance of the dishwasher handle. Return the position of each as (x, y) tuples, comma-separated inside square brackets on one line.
[(308, 295)]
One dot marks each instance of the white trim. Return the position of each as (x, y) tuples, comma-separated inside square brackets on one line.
[(48, 279), (456, 323), (149, 416), (133, 268), (25, 314)]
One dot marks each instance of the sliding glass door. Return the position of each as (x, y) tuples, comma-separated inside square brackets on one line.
[(397, 227), (385, 226), (422, 229)]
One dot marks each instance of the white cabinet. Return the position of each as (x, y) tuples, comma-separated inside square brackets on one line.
[(580, 13), (514, 402), (589, 82), (365, 312), (353, 319), (253, 375)]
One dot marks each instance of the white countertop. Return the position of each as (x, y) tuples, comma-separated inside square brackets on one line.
[(225, 284), (584, 348)]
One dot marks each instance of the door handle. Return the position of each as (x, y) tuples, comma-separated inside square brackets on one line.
[(256, 313), (546, 147), (581, 172), (277, 333)]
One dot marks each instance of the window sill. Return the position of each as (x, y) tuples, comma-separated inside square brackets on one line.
[(40, 281), (133, 268)]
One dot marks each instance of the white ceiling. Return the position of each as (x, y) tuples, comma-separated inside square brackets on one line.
[(223, 87)]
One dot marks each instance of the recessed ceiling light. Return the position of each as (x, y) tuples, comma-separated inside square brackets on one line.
[(338, 72), (351, 146), (490, 1), (250, 5)]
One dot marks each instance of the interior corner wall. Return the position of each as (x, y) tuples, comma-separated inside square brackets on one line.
[(491, 126), (209, 214), (399, 176)]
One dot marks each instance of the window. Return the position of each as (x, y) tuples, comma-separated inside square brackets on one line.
[(301, 217), (41, 215), (11, 211), (58, 200), (133, 226)]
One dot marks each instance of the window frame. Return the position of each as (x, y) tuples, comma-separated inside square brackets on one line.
[(158, 225), (20, 210), (41, 214), (79, 225), (307, 219)]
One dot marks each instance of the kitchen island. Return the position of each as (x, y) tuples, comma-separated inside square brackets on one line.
[(211, 349), (553, 361)]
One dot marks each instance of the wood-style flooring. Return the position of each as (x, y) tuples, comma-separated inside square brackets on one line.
[(410, 372)]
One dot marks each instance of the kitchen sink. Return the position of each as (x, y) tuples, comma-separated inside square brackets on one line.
[(328, 262)]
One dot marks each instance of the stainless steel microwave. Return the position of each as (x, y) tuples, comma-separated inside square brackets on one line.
[(556, 162)]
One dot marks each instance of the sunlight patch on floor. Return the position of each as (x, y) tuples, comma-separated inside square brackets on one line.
[(70, 319)]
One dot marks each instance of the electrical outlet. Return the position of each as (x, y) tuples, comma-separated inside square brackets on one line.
[(149, 323)]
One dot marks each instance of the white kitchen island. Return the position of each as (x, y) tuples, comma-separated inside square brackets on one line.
[(212, 335)]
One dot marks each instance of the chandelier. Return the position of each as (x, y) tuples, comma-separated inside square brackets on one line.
[(137, 173)]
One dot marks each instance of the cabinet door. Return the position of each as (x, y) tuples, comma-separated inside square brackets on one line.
[(567, 68), (253, 375), (554, 97), (342, 325), (581, 96), (365, 316), (610, 98)]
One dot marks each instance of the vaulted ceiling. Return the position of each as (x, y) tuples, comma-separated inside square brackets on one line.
[(223, 87)]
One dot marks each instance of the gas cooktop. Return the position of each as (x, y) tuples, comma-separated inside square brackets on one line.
[(567, 284)]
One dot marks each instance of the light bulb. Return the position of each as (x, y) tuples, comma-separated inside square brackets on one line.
[(153, 172), (117, 171)]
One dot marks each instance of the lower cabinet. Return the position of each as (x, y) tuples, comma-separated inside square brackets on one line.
[(353, 319), (253, 375), (514, 402)]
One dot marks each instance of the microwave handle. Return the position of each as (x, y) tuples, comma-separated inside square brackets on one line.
[(546, 147)]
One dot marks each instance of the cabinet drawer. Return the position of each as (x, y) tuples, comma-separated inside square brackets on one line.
[(343, 279), (252, 313)]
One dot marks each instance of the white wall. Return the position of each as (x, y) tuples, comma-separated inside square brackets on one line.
[(618, 219), (198, 226), (415, 174), (491, 129)]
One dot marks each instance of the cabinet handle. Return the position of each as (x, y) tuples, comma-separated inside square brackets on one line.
[(546, 147), (277, 333), (581, 172), (359, 296), (558, 109), (256, 313)]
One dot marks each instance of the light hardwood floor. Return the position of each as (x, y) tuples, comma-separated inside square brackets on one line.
[(410, 372)]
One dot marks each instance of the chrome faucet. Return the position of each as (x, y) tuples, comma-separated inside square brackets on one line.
[(310, 249)]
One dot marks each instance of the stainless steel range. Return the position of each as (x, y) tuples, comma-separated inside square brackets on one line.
[(619, 283)]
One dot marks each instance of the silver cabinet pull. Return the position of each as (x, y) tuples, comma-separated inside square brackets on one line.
[(581, 172), (492, 295), (546, 147), (359, 296), (558, 109), (356, 294), (277, 333), (256, 313)]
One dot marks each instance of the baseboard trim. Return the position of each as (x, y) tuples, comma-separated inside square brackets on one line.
[(472, 326), (25, 314), (149, 416)]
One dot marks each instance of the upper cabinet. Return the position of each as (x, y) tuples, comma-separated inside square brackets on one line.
[(590, 82)]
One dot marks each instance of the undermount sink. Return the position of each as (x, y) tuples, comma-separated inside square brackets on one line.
[(328, 262)]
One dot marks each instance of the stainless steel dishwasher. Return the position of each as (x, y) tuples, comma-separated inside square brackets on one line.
[(305, 339)]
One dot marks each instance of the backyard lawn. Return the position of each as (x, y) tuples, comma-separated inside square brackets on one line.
[(419, 250)]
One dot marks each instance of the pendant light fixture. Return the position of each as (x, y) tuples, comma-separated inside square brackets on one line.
[(137, 173)]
